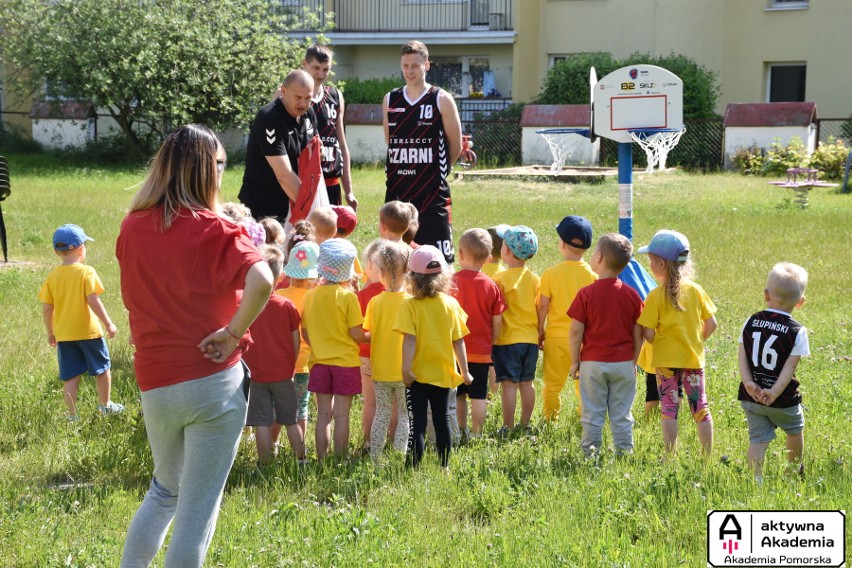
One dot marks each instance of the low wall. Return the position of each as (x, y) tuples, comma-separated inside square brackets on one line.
[(364, 133), (737, 137), (534, 148)]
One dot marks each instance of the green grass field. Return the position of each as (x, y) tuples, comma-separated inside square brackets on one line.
[(68, 492)]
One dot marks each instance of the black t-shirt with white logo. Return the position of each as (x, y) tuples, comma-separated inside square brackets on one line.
[(326, 110), (274, 132), (770, 337)]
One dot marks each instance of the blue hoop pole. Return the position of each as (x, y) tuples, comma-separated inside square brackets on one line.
[(625, 189), (634, 274)]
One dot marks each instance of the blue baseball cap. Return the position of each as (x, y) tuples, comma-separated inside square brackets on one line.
[(520, 239), (69, 236), (575, 228), (336, 257), (669, 245)]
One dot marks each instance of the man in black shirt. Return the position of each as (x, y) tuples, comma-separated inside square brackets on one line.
[(277, 136)]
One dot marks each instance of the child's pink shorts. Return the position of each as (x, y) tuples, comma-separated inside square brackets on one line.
[(331, 379)]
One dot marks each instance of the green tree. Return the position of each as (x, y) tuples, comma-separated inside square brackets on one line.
[(153, 64), (568, 81)]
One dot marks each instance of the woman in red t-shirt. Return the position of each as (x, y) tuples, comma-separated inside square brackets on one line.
[(192, 282)]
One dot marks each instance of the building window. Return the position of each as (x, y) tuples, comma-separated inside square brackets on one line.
[(461, 75), (55, 90), (555, 58), (786, 82), (787, 5)]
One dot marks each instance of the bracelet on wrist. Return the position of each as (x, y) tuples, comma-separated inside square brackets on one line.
[(228, 329)]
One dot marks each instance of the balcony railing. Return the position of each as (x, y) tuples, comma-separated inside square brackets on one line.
[(377, 16)]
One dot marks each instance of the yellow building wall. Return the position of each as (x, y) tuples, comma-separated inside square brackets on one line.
[(755, 37), (15, 109), (735, 38)]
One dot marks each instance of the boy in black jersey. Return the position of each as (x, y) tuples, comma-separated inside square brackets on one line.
[(771, 345)]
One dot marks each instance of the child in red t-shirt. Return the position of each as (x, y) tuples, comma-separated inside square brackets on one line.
[(272, 360), (604, 316), (483, 302)]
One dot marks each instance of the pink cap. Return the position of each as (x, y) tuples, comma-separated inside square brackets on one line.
[(426, 259)]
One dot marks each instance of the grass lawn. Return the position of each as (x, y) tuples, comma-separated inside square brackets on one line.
[(68, 492)]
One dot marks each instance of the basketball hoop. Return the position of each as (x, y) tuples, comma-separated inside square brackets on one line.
[(562, 143), (657, 143)]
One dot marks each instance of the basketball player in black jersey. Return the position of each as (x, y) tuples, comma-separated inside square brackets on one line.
[(423, 132), (327, 104), (771, 345)]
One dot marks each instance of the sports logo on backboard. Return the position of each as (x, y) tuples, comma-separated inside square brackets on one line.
[(634, 73)]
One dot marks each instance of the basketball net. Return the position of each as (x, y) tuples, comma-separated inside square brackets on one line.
[(562, 145), (657, 145)]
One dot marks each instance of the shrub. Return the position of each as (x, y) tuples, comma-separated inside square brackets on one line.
[(567, 82), (830, 159), (779, 158), (114, 148), (749, 161), (368, 91)]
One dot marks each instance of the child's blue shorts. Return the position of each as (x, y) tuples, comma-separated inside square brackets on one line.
[(515, 362), (78, 357)]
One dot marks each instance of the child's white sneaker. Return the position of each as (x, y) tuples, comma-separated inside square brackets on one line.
[(111, 408)]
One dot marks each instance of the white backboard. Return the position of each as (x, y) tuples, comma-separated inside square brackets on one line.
[(637, 97)]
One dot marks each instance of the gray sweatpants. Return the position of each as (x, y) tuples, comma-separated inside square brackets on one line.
[(194, 431), (607, 388)]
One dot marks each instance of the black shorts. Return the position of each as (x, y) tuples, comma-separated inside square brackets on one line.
[(478, 389), (334, 194), (435, 230), (651, 391)]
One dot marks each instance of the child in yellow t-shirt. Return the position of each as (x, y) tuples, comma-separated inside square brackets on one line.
[(386, 349), (678, 319), (559, 287), (490, 268), (515, 351), (301, 269), (433, 328), (332, 326), (71, 309), (373, 288), (493, 265)]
